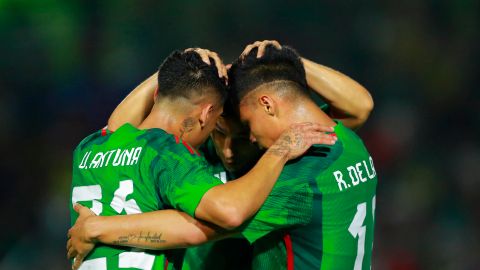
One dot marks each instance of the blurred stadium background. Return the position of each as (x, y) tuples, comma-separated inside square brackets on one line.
[(64, 66)]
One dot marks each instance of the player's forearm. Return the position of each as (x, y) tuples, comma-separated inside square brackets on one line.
[(231, 204), (136, 106), (164, 229), (349, 100)]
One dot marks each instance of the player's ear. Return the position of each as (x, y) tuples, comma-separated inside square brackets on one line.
[(206, 115), (268, 105)]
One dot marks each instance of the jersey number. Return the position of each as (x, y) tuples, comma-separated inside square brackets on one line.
[(357, 229), (93, 193)]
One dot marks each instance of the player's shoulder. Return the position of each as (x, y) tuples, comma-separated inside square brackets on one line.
[(161, 141), (314, 162), (323, 154), (351, 140), (94, 138), (317, 158)]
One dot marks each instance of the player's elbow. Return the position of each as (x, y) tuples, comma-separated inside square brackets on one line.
[(363, 112), (230, 216), (365, 106), (368, 105), (234, 220), (220, 210)]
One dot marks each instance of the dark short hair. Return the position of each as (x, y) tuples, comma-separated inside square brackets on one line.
[(184, 74), (230, 109), (276, 65)]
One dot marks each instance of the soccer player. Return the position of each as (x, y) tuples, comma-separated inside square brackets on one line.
[(325, 221), (138, 170), (230, 152), (346, 100)]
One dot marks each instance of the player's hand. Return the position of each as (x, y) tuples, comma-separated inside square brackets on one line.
[(261, 45), (206, 55), (296, 140), (80, 243)]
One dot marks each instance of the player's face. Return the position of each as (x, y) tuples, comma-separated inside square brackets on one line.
[(233, 146), (264, 129)]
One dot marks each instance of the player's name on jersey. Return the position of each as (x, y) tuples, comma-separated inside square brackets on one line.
[(116, 157), (357, 173)]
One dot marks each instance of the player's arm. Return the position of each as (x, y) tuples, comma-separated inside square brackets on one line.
[(348, 100), (231, 204), (188, 185), (225, 205), (164, 229), (136, 106)]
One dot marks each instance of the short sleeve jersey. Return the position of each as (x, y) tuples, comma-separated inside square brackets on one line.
[(320, 214), (133, 171)]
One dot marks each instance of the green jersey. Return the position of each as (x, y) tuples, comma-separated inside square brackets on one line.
[(231, 253), (320, 214), (133, 171)]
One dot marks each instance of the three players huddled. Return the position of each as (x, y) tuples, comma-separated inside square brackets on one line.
[(243, 156)]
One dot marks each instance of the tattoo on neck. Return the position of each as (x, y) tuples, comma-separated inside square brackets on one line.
[(148, 237), (187, 126)]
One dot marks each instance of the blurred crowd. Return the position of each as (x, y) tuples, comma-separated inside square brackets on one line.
[(66, 64)]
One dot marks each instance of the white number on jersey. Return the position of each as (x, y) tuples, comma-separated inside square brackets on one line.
[(357, 229), (93, 193), (89, 193), (120, 202)]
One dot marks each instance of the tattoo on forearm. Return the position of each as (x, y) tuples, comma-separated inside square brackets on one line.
[(299, 140), (278, 150), (187, 126), (149, 237)]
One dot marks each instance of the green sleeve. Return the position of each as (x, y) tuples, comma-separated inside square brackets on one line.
[(185, 177), (287, 205)]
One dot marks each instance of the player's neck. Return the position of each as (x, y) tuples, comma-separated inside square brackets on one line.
[(309, 112), (169, 122)]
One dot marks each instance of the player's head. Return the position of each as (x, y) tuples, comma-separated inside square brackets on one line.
[(193, 91), (232, 142), (266, 89)]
